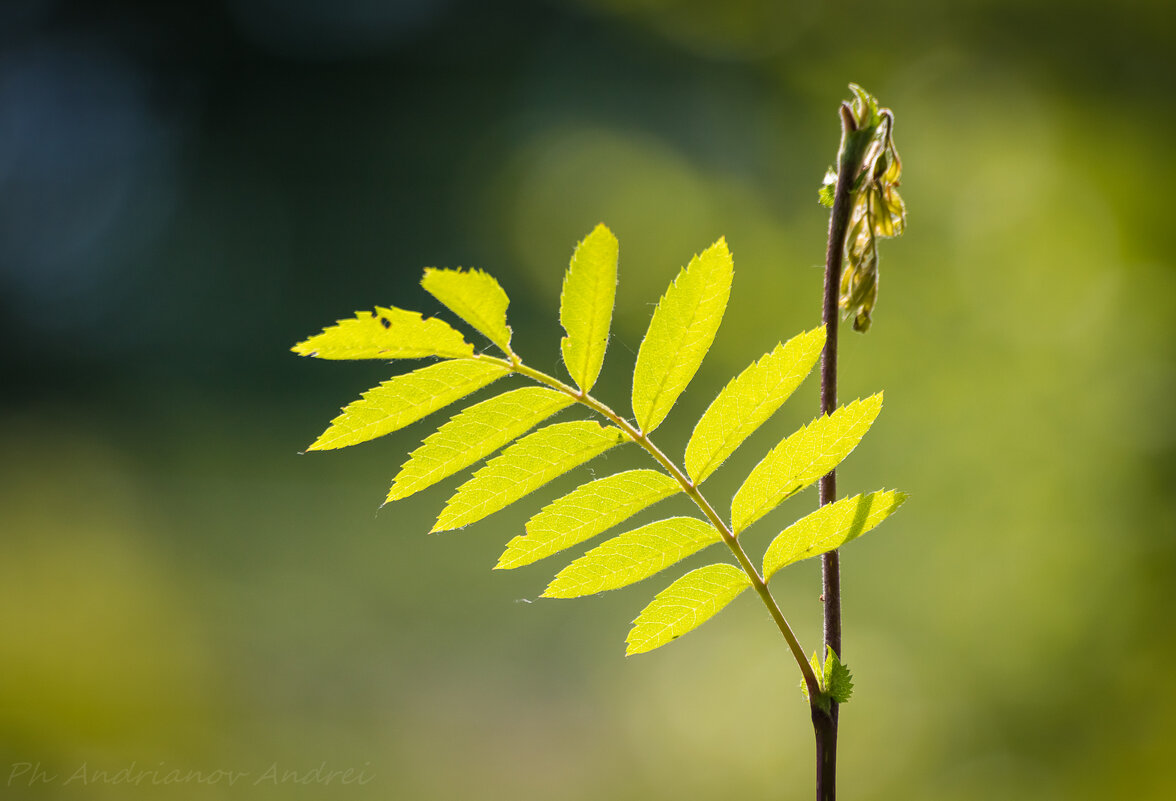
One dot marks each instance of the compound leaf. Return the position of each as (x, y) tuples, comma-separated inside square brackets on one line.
[(681, 332), (801, 459), (830, 527), (475, 297), (476, 432), (586, 305), (524, 467), (632, 556), (685, 605), (405, 399), (749, 400), (387, 334), (585, 512)]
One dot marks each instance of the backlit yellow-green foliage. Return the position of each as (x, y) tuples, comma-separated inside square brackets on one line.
[(685, 605), (585, 512), (406, 399), (830, 527), (476, 298), (586, 305), (632, 556), (749, 400), (526, 466), (477, 432), (387, 334), (683, 327), (801, 459)]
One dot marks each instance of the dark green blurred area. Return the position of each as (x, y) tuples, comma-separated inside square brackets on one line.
[(188, 189)]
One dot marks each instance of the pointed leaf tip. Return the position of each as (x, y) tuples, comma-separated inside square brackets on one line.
[(632, 557), (834, 679), (405, 399), (683, 327), (830, 527), (838, 679), (749, 400), (474, 433), (586, 305), (685, 605), (801, 459)]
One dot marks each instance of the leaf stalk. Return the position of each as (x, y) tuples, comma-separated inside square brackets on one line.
[(729, 538)]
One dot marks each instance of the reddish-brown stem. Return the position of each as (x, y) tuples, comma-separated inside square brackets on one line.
[(825, 722)]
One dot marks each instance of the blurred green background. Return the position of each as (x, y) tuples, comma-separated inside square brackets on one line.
[(188, 189)]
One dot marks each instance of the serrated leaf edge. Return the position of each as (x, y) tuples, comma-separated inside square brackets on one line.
[(458, 305), (449, 520), (649, 415)]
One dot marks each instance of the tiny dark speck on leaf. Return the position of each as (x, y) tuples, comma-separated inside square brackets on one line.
[(385, 322)]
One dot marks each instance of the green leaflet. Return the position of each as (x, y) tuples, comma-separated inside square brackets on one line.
[(838, 679), (586, 305), (749, 400), (405, 399), (632, 556), (585, 512), (475, 297), (525, 466), (830, 527), (801, 459), (834, 677), (681, 332), (387, 334), (476, 432), (685, 605)]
